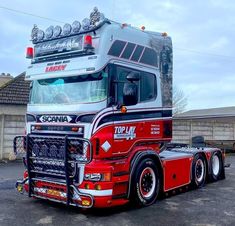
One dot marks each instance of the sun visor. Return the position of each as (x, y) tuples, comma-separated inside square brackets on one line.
[(63, 68)]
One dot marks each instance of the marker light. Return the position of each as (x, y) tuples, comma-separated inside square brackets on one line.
[(164, 34), (142, 28), (29, 53), (67, 29), (86, 24), (20, 188), (49, 32), (86, 202), (124, 25), (57, 31), (97, 187), (76, 26), (87, 41), (123, 109), (40, 35)]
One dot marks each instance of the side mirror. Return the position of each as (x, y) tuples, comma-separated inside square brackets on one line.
[(130, 94)]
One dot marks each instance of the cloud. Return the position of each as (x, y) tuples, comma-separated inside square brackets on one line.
[(203, 39)]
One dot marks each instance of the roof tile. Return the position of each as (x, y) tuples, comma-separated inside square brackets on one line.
[(15, 91)]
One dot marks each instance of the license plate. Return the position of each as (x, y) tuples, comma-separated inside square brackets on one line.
[(53, 192)]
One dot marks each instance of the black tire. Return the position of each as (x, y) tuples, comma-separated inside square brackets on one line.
[(198, 171), (216, 166), (145, 184)]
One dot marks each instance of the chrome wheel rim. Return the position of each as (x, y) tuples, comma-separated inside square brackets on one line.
[(147, 182), (199, 170), (215, 165)]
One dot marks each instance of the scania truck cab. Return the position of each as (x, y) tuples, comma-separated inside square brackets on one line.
[(100, 116)]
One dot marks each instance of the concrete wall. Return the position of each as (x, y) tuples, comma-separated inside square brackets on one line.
[(12, 123), (210, 129)]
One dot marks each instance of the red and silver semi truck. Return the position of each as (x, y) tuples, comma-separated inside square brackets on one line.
[(99, 118)]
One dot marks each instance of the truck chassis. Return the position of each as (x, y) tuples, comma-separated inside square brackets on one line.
[(60, 180)]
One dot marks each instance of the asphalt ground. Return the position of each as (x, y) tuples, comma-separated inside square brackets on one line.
[(213, 204)]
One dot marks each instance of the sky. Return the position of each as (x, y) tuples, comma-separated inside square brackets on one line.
[(203, 34)]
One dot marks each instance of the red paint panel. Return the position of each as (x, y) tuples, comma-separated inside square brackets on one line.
[(176, 173)]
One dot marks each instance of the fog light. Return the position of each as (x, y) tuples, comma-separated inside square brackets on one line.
[(86, 203), (97, 187), (87, 186), (20, 188)]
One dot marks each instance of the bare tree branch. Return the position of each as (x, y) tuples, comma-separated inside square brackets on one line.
[(180, 101)]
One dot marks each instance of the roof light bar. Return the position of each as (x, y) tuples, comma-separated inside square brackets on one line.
[(95, 20)]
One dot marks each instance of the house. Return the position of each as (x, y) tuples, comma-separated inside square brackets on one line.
[(216, 125), (14, 97)]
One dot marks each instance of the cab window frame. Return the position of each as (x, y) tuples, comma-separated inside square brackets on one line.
[(142, 73)]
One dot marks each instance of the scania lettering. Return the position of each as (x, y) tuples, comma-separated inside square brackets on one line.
[(55, 118), (99, 118)]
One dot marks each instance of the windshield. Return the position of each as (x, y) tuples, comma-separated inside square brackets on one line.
[(70, 90)]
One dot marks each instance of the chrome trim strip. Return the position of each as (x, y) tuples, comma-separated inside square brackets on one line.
[(106, 192)]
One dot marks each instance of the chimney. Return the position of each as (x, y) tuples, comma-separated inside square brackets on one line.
[(4, 78)]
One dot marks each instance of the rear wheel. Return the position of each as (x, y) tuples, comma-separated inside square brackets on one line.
[(216, 166), (145, 183), (198, 171)]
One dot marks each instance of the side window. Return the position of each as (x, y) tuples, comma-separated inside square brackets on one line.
[(146, 85), (148, 90), (121, 76)]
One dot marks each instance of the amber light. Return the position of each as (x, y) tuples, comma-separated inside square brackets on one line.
[(38, 127), (74, 129), (87, 186), (86, 203), (97, 187), (164, 34), (107, 177), (123, 109)]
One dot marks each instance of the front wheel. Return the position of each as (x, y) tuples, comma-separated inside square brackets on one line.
[(146, 183)]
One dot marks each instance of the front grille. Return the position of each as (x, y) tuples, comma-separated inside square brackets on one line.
[(50, 155), (46, 155), (52, 148)]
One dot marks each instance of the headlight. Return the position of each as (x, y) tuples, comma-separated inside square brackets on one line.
[(57, 31), (67, 29), (97, 176), (86, 24), (49, 32), (40, 35), (76, 26)]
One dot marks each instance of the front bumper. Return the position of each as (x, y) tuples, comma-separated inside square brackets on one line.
[(55, 168), (56, 192)]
